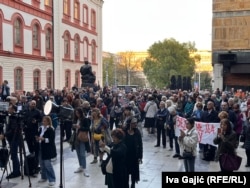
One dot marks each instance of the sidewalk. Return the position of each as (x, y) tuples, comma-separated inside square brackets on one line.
[(155, 161)]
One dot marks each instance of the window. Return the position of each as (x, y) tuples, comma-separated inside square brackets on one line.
[(77, 78), (66, 46), (85, 47), (36, 79), (77, 46), (48, 2), (17, 32), (48, 39), (1, 34), (67, 78), (93, 19), (1, 74), (66, 7), (76, 10), (35, 36), (18, 77), (93, 52), (85, 14), (49, 79)]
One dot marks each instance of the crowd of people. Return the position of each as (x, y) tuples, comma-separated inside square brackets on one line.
[(114, 121)]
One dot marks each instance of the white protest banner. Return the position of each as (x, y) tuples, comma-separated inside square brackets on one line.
[(206, 131)]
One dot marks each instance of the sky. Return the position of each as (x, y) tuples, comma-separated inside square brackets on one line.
[(135, 25)]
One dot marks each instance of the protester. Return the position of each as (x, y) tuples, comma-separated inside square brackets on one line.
[(81, 123), (226, 140), (116, 176), (188, 141), (150, 109), (161, 117), (5, 90), (133, 141), (46, 139), (247, 143), (99, 129), (32, 118), (13, 135)]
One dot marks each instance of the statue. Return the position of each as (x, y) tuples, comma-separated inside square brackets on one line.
[(88, 78)]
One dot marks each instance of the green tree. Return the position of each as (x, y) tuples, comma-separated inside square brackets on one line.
[(168, 58)]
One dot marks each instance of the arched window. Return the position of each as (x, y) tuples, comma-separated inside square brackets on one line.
[(1, 74), (77, 78), (18, 32), (48, 39), (18, 79), (1, 34), (36, 34), (85, 15), (93, 52), (67, 78), (77, 48), (36, 79), (49, 79), (66, 46), (85, 48), (93, 20)]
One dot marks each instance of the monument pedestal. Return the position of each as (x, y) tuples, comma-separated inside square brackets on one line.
[(88, 85)]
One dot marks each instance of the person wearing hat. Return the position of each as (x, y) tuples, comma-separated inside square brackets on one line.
[(133, 141)]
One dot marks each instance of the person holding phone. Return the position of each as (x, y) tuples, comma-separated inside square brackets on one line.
[(226, 140)]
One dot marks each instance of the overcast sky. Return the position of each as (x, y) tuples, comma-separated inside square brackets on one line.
[(134, 25)]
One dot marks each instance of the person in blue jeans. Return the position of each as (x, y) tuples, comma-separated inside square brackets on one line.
[(46, 139), (81, 123)]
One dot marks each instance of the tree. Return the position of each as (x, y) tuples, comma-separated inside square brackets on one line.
[(166, 59), (129, 64)]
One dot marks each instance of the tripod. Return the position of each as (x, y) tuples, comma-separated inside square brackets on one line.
[(14, 133)]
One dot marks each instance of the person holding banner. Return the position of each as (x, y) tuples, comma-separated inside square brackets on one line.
[(188, 141)]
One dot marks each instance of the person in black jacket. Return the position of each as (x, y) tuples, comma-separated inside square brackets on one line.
[(133, 141), (47, 146), (161, 118), (5, 92), (13, 135), (32, 118), (116, 176)]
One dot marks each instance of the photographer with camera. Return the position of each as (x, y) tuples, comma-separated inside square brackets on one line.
[(13, 135), (32, 118)]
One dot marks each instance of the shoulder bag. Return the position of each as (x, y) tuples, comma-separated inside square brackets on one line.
[(230, 162), (83, 136)]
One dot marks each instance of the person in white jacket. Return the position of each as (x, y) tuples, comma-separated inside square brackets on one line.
[(151, 110), (188, 140)]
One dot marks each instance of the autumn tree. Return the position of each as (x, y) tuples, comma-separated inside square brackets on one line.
[(168, 58)]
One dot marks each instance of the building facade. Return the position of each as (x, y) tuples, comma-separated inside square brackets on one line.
[(231, 44), (43, 43)]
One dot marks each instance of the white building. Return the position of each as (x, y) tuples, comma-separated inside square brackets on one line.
[(43, 43)]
